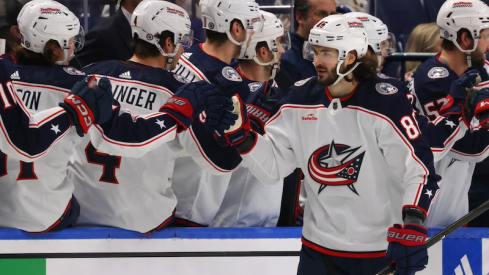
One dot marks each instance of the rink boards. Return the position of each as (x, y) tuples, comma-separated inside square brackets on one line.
[(213, 251)]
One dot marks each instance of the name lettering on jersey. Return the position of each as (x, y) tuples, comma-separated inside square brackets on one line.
[(30, 98), (73, 71), (386, 88), (82, 108), (438, 72), (335, 165), (309, 117), (231, 74), (134, 96)]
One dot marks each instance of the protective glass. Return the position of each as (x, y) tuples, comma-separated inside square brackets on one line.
[(284, 40), (389, 44), (309, 53), (187, 39), (79, 40)]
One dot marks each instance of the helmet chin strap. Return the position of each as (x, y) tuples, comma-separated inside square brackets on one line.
[(242, 44), (169, 55), (273, 63), (66, 58), (340, 75), (467, 52)]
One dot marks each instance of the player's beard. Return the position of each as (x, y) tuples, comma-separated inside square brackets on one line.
[(330, 78), (478, 58)]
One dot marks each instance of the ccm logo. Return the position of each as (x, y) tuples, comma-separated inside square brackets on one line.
[(82, 109), (257, 113), (484, 103), (177, 101), (404, 236)]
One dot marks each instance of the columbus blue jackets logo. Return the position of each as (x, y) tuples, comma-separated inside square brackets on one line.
[(386, 88), (231, 74), (336, 165), (255, 86), (438, 72), (73, 71)]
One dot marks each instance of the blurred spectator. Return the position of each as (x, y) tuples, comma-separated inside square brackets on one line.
[(424, 38), (293, 65), (111, 38), (9, 29)]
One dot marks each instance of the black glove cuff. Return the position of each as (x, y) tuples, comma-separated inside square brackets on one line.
[(413, 215)]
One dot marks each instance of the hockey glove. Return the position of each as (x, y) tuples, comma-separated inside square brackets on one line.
[(458, 93), (238, 132), (480, 104), (191, 100), (407, 247), (220, 118), (89, 103), (261, 103)]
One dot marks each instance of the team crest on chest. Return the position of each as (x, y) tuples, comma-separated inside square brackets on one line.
[(386, 88), (73, 71), (336, 165), (438, 72), (254, 86), (231, 74)]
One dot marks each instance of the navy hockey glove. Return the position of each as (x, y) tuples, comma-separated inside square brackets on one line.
[(191, 100), (456, 99), (261, 103), (238, 132), (89, 103), (407, 247), (480, 104), (220, 118)]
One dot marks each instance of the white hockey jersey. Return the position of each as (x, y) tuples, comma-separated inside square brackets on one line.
[(35, 195), (123, 191), (363, 159)]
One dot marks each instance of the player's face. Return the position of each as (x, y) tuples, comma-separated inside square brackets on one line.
[(483, 43), (325, 61), (317, 11)]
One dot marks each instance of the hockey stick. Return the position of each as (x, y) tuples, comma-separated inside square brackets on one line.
[(447, 231)]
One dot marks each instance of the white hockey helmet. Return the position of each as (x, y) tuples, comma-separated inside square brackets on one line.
[(339, 32), (454, 15), (43, 20), (217, 16), (272, 29), (151, 18)]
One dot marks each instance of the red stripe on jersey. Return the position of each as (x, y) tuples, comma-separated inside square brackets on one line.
[(193, 68), (349, 254)]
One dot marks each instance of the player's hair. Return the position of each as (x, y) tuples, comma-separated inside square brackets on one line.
[(24, 56), (218, 38), (449, 45), (366, 70), (301, 6), (144, 49), (422, 39)]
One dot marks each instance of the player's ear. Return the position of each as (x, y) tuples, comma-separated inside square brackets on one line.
[(168, 45), (15, 31), (466, 40), (350, 58)]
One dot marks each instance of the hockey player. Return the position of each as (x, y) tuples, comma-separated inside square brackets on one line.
[(229, 26), (35, 197), (366, 167), (28, 137), (119, 190), (463, 29), (248, 202)]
